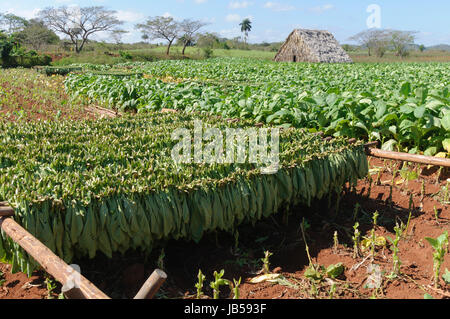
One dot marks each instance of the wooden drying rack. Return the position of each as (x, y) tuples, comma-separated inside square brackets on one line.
[(63, 273)]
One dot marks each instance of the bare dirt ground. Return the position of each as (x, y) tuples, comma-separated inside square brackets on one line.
[(240, 256)]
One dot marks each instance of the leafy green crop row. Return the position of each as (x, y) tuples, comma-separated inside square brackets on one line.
[(405, 106), (111, 185)]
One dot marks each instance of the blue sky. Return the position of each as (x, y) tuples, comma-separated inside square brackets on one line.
[(272, 20)]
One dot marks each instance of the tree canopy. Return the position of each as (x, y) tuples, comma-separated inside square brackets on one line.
[(80, 23)]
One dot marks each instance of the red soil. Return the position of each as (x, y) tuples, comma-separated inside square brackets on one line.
[(122, 277)]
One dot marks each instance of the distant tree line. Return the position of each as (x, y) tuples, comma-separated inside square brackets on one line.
[(379, 41)]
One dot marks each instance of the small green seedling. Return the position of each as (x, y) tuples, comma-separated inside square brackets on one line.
[(218, 281), (266, 263), (405, 228), (436, 215), (336, 242), (199, 284), (304, 226), (51, 286), (160, 261), (422, 192), (332, 291), (396, 260), (374, 238), (439, 245), (235, 288), (356, 240), (317, 273)]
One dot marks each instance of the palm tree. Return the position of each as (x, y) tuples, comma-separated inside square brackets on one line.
[(246, 27)]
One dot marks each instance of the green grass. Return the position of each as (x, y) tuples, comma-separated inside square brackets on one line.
[(158, 53)]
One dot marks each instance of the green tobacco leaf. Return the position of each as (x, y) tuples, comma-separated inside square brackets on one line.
[(431, 151), (419, 112), (445, 122), (334, 271), (389, 145), (406, 89), (313, 274), (433, 242), (446, 144), (381, 109)]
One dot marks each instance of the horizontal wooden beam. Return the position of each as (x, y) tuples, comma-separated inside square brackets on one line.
[(51, 263), (6, 211), (405, 157)]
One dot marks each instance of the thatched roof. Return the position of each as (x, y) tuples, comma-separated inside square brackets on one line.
[(312, 46)]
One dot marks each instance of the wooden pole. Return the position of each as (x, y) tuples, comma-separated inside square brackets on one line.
[(51, 263), (427, 160), (6, 211), (152, 285)]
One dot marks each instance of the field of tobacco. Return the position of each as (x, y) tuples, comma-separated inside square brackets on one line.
[(106, 193), (111, 185), (405, 106)]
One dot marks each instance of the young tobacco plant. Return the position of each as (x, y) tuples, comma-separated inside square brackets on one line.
[(356, 240), (374, 238), (199, 284), (266, 263), (440, 246), (235, 288), (218, 281), (395, 259), (336, 242)]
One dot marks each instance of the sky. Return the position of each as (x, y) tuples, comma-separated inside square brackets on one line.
[(272, 20)]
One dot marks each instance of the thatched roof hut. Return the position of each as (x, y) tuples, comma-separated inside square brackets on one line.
[(312, 46)]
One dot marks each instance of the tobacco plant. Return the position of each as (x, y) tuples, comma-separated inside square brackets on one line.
[(218, 281), (440, 246)]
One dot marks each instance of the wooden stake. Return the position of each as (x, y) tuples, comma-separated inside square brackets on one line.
[(152, 285), (427, 160), (51, 263)]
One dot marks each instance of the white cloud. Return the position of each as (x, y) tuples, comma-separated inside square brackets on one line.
[(233, 18), (230, 33), (167, 15), (240, 4), (129, 16), (200, 1), (24, 13), (278, 7), (322, 9)]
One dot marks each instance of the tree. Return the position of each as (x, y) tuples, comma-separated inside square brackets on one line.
[(246, 27), (79, 23), (189, 28), (401, 41), (160, 28), (12, 23), (374, 40), (35, 35), (422, 48), (208, 40), (117, 36)]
